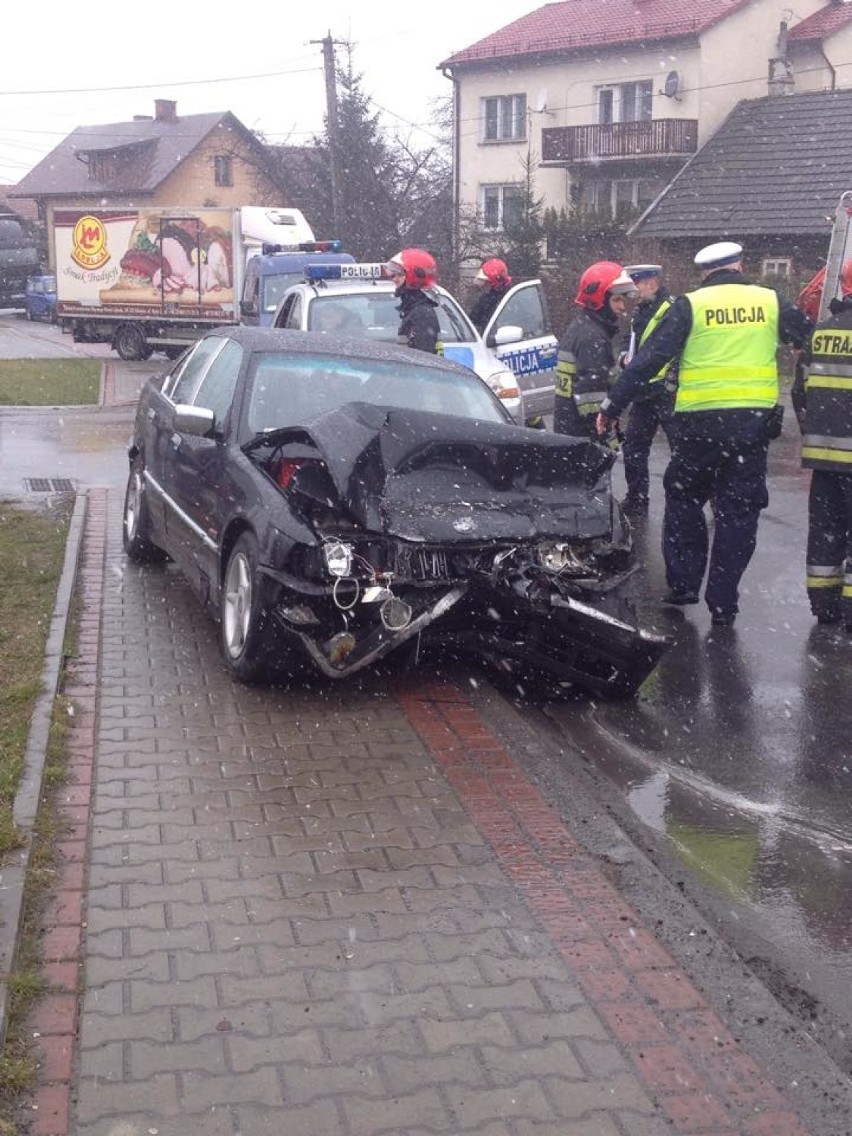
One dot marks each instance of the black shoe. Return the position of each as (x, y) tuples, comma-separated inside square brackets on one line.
[(680, 599), (828, 616), (723, 618)]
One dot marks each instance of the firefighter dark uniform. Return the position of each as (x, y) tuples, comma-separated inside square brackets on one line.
[(653, 407), (414, 272), (587, 351), (725, 336), (822, 399)]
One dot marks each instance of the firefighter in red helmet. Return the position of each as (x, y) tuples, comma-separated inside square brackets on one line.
[(493, 281), (587, 351), (414, 272)]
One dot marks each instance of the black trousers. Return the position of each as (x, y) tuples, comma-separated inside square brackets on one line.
[(829, 551), (646, 417), (733, 474)]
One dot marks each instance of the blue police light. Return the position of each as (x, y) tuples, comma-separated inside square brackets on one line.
[(306, 246), (345, 272)]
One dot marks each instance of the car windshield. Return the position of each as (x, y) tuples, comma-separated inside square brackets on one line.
[(290, 390), (375, 315), (274, 287)]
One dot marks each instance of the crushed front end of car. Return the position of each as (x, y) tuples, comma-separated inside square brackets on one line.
[(479, 538)]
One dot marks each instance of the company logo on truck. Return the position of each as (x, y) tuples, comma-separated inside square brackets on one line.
[(89, 243)]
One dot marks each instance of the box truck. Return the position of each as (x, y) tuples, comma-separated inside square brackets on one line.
[(154, 278)]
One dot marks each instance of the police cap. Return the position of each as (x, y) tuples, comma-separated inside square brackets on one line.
[(719, 254), (642, 271)]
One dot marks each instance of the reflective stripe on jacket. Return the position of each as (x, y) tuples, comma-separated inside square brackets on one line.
[(650, 327), (827, 435), (729, 358)]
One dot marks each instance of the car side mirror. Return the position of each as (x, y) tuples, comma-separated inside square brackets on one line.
[(195, 420), (509, 333), (248, 308)]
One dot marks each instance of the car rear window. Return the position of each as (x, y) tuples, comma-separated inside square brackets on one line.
[(290, 390)]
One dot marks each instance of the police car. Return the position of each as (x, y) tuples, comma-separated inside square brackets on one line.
[(516, 356)]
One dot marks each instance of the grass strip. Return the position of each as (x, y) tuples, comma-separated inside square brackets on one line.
[(49, 382), (32, 554)]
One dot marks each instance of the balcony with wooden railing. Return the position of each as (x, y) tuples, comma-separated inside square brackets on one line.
[(658, 138)]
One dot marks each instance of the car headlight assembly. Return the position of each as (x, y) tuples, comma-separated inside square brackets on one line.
[(338, 558), (504, 384)]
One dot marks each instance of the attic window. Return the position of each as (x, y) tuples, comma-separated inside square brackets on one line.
[(103, 166), (223, 169)]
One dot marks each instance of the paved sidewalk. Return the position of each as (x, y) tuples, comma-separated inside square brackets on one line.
[(347, 912)]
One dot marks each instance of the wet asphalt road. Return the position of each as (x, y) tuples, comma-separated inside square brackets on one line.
[(734, 767)]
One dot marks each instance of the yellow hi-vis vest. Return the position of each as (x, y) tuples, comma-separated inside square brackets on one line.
[(729, 359), (650, 327)]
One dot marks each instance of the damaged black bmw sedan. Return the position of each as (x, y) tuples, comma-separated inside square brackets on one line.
[(333, 501)]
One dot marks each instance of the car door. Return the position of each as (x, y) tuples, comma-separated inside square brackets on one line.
[(202, 493), (290, 312), (532, 358), (163, 465)]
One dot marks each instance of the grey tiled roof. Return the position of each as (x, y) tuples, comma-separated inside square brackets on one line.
[(777, 165), (157, 147)]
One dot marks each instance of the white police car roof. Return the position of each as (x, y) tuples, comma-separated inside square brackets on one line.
[(718, 254)]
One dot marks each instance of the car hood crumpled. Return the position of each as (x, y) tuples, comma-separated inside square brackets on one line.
[(432, 477)]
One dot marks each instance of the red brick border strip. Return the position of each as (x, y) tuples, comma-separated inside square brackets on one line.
[(682, 1051), (54, 1020)]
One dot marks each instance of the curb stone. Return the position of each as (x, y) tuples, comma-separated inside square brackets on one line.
[(13, 875)]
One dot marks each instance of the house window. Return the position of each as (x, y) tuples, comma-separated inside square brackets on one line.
[(625, 102), (223, 170), (779, 267), (504, 118), (502, 205), (620, 198), (102, 167)]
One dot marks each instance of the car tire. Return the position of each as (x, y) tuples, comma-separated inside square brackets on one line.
[(130, 344), (136, 519), (243, 625)]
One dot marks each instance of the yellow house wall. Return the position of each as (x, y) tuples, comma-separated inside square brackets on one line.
[(193, 182), (729, 63), (735, 58), (810, 69)]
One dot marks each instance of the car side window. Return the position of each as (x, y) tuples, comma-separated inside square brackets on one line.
[(525, 310), (190, 370), (216, 391), (294, 315), (454, 326)]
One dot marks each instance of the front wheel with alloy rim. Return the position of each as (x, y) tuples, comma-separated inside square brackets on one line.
[(243, 624), (136, 523)]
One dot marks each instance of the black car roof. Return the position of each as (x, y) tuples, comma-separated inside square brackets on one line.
[(261, 339)]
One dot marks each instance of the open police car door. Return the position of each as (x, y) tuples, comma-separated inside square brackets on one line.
[(521, 335)]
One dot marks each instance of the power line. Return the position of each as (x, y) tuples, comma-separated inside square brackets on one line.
[(160, 86)]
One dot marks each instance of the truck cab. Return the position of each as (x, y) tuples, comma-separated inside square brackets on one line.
[(275, 269)]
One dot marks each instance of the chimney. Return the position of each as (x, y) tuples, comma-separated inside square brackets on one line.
[(781, 80), (165, 110)]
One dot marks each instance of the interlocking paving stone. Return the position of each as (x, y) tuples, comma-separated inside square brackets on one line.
[(344, 911)]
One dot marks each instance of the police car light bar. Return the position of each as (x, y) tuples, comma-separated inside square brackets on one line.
[(346, 272), (305, 246)]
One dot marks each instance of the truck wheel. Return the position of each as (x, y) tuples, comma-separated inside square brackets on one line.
[(129, 342)]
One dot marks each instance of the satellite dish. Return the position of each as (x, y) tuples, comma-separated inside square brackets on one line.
[(672, 85), (541, 101)]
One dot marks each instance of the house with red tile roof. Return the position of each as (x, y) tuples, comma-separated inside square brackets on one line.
[(607, 99)]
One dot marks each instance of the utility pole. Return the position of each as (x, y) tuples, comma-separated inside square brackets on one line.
[(329, 68)]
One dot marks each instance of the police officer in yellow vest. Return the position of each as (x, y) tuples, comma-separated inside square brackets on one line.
[(652, 408), (822, 399), (725, 335)]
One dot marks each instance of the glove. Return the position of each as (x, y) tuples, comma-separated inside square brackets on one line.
[(604, 424)]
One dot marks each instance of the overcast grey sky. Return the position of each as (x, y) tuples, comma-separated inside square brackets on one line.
[(72, 64)]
